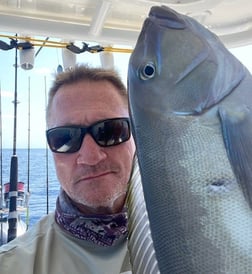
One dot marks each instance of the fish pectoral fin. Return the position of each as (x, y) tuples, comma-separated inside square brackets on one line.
[(237, 134)]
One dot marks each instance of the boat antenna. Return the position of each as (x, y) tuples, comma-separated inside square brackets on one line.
[(13, 215)]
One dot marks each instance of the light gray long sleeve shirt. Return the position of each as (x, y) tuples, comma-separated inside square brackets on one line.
[(47, 249)]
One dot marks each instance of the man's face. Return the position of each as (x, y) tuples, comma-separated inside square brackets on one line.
[(94, 177)]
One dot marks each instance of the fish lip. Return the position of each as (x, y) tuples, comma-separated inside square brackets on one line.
[(167, 17)]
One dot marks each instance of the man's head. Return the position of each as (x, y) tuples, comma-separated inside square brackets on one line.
[(95, 172), (84, 73)]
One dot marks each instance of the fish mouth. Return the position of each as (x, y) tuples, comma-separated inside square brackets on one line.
[(166, 17)]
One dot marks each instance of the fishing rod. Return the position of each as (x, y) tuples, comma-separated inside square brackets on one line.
[(47, 174), (13, 214), (69, 45), (28, 156), (1, 172)]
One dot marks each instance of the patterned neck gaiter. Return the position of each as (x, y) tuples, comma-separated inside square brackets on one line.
[(103, 230)]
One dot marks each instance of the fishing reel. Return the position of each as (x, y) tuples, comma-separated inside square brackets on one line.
[(22, 197)]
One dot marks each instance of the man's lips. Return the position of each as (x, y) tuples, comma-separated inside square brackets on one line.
[(94, 176)]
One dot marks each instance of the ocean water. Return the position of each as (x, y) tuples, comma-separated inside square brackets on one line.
[(38, 173)]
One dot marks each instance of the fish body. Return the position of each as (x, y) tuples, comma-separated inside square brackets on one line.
[(190, 107)]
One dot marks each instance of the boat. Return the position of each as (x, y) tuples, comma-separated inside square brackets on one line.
[(102, 27), (113, 22)]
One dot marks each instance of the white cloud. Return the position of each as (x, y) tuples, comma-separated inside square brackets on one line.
[(5, 93), (43, 71)]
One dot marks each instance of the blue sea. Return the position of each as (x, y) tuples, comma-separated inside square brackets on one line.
[(38, 173)]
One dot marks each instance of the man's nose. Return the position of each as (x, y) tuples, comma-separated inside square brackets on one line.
[(90, 153)]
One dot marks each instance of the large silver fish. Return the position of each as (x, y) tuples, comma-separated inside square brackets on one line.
[(191, 110)]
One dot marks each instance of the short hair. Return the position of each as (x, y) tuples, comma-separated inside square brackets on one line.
[(85, 73)]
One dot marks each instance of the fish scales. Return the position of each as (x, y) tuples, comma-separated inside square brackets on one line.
[(189, 122)]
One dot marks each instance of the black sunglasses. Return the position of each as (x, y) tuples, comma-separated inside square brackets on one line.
[(68, 139)]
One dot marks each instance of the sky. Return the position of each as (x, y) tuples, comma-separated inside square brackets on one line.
[(36, 82)]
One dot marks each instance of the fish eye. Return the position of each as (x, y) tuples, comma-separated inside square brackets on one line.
[(147, 71)]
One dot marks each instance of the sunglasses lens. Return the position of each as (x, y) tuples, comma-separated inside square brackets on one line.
[(111, 132), (106, 133), (64, 139)]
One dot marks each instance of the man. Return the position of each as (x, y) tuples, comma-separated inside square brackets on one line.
[(89, 135)]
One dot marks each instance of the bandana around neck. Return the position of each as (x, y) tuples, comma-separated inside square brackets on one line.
[(103, 230)]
